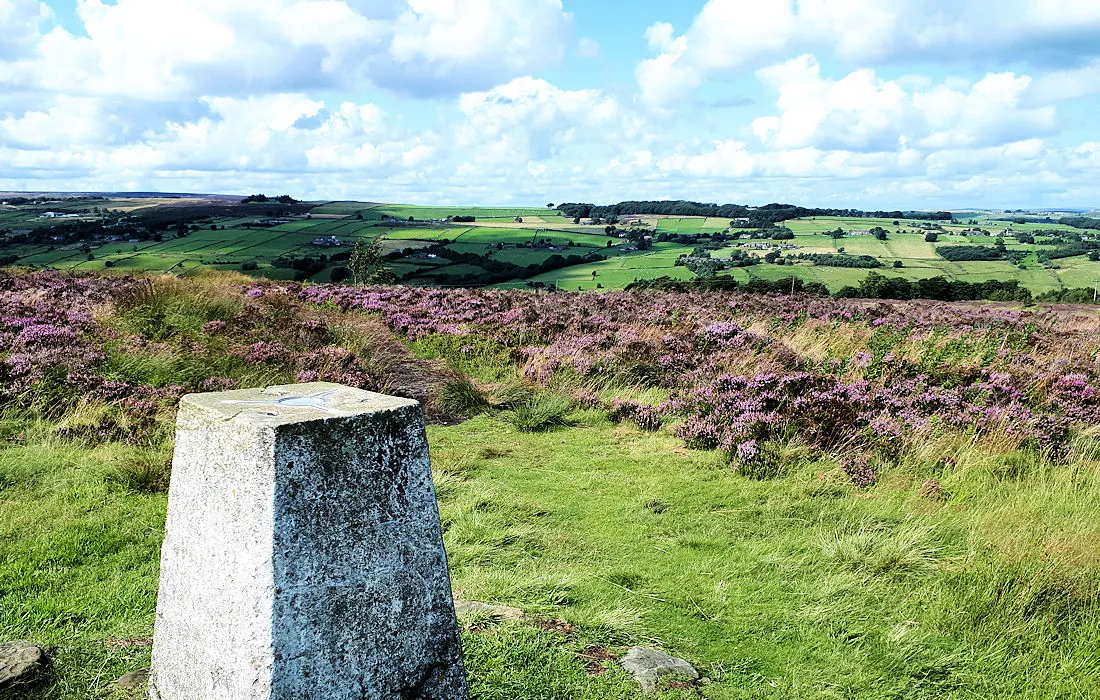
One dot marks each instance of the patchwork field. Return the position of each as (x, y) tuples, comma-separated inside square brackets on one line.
[(495, 249)]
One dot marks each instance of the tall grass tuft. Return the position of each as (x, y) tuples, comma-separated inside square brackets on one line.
[(145, 472), (169, 307), (507, 395), (878, 551), (542, 413), (461, 397)]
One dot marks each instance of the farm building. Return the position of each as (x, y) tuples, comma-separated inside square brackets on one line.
[(327, 241)]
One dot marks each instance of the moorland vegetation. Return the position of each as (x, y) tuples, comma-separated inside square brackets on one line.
[(804, 496)]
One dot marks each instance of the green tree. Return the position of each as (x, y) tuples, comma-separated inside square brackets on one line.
[(368, 266), (931, 237)]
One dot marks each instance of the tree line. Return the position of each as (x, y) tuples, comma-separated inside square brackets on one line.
[(874, 286), (1082, 222), (758, 216)]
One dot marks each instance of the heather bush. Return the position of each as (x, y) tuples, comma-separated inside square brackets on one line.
[(841, 374), (642, 415), (743, 368), (759, 461), (860, 468)]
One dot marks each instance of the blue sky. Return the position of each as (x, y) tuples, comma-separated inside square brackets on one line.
[(862, 103)]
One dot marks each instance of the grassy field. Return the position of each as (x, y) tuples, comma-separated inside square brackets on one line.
[(619, 270), (801, 588), (691, 224), (403, 211)]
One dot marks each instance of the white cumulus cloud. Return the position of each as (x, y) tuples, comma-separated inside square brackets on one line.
[(168, 49), (731, 35), (861, 112)]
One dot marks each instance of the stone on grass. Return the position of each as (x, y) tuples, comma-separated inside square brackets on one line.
[(648, 666), (133, 680), (303, 554), (470, 608), (18, 662)]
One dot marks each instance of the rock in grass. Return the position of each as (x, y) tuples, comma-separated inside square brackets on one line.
[(133, 680), (467, 608), (648, 666), (18, 662)]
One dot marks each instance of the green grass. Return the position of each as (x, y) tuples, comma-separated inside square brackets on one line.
[(540, 413), (620, 269), (451, 233), (404, 211), (691, 224), (794, 587), (347, 209)]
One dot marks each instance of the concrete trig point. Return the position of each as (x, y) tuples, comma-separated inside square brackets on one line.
[(303, 557)]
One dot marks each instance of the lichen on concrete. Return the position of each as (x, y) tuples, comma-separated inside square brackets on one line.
[(304, 556)]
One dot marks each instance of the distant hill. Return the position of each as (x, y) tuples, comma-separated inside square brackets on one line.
[(126, 195)]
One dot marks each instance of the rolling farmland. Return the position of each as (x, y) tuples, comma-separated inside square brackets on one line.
[(540, 245)]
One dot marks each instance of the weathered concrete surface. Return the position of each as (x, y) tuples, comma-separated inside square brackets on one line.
[(648, 666), (303, 555), (18, 662)]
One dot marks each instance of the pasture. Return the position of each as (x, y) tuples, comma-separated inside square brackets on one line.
[(618, 270), (227, 241), (403, 211)]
